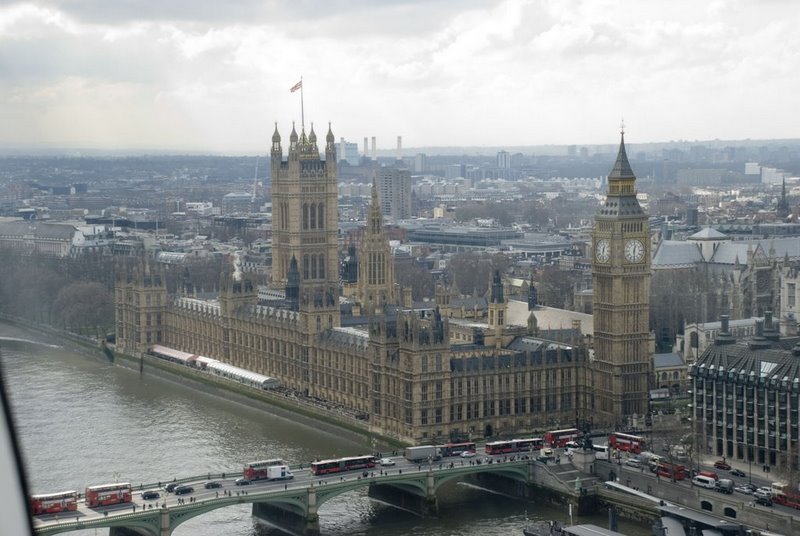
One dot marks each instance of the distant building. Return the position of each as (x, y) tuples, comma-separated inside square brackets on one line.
[(237, 203), (394, 191), (421, 163), (504, 160), (348, 152)]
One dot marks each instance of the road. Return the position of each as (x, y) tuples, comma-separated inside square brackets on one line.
[(302, 480)]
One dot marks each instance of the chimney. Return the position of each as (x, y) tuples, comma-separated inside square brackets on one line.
[(399, 147), (374, 151), (724, 336)]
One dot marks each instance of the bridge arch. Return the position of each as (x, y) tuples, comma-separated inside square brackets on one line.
[(729, 511), (707, 505)]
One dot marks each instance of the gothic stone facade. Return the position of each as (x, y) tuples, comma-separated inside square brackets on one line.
[(399, 373)]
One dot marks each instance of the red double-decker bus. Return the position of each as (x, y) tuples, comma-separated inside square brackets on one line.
[(560, 438), (343, 464), (106, 494), (455, 449), (671, 471), (53, 503), (627, 442), (258, 470), (514, 445)]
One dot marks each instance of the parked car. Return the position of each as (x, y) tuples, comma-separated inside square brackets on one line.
[(241, 481), (737, 472), (722, 464), (150, 495), (387, 462), (213, 484), (743, 489)]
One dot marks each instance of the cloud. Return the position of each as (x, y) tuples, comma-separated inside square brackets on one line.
[(439, 73)]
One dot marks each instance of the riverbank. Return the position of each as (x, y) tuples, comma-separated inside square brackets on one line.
[(278, 404)]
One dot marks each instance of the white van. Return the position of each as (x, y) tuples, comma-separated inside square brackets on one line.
[(704, 482)]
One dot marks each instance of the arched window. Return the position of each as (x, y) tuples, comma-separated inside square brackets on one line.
[(706, 505), (321, 216), (313, 216), (313, 266), (306, 264), (322, 266), (305, 215)]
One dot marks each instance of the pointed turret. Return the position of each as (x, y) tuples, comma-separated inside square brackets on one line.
[(622, 168)]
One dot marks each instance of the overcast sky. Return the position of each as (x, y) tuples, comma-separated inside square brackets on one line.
[(213, 75)]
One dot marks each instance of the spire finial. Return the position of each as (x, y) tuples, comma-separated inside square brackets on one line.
[(622, 127)]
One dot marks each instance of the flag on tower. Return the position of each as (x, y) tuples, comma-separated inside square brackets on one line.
[(297, 86)]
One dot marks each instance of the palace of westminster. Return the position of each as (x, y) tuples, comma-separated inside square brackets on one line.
[(414, 374)]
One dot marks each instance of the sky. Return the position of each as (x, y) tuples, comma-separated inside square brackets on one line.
[(214, 76)]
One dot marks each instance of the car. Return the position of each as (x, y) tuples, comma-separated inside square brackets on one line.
[(183, 490), (722, 464), (737, 472), (633, 462), (212, 484), (745, 490), (386, 462), (764, 490), (468, 454), (150, 495), (241, 481), (762, 498), (169, 488)]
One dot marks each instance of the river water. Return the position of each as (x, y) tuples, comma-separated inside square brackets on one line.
[(82, 421)]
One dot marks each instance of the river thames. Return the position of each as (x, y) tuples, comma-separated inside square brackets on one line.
[(82, 421)]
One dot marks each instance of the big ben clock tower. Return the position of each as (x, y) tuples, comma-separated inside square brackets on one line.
[(621, 288)]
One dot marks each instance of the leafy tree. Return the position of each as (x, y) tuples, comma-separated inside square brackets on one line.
[(472, 271), (84, 306)]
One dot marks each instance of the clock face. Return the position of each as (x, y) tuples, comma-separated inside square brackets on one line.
[(602, 250), (634, 250)]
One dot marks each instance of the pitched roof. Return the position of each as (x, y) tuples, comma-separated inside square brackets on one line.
[(547, 318), (667, 360), (675, 253), (709, 234)]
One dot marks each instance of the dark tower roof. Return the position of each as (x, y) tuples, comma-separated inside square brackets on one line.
[(622, 168), (621, 202)]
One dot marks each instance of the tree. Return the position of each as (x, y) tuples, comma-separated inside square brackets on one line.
[(472, 271), (85, 306), (418, 278)]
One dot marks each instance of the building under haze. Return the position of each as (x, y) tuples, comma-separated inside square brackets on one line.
[(394, 192), (406, 372)]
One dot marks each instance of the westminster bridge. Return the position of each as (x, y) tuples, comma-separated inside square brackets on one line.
[(295, 503)]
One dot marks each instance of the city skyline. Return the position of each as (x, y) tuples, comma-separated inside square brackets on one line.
[(213, 77)]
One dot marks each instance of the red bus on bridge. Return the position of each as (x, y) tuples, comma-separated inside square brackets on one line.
[(455, 449), (514, 445), (671, 471), (53, 503), (106, 494), (343, 464), (258, 470), (560, 438), (627, 442)]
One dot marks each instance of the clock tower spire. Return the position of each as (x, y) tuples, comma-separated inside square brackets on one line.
[(621, 302)]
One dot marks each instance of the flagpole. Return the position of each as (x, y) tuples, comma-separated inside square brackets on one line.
[(302, 111)]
